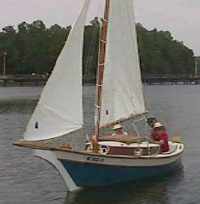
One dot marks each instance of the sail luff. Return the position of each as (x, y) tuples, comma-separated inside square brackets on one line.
[(59, 110), (101, 64)]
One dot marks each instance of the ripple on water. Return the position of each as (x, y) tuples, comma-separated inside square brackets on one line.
[(29, 180)]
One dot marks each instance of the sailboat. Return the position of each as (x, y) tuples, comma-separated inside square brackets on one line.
[(119, 98)]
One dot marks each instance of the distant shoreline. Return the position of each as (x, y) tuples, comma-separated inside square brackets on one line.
[(40, 80)]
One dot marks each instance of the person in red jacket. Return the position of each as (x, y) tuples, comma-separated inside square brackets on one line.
[(160, 136)]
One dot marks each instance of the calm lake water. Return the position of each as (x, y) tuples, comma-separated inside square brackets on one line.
[(28, 180)]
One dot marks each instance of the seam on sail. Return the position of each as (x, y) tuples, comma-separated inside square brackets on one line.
[(56, 113), (60, 134)]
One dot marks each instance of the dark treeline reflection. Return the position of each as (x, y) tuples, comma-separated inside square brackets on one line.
[(34, 48)]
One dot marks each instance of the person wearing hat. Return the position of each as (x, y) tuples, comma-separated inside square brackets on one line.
[(159, 135), (151, 121), (118, 130)]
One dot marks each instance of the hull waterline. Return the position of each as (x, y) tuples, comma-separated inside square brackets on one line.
[(87, 169), (93, 170), (92, 175)]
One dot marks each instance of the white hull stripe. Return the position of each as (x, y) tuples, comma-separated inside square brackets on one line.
[(121, 161)]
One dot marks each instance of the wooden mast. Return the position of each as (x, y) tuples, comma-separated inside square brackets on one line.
[(101, 65)]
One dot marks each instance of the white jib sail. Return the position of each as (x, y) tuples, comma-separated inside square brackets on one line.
[(59, 110), (122, 95)]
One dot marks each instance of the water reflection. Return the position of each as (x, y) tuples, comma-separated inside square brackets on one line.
[(24, 179), (151, 192), (17, 106)]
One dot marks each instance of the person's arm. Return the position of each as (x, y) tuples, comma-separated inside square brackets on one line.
[(159, 142), (164, 138)]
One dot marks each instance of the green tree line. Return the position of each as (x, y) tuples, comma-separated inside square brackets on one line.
[(34, 48)]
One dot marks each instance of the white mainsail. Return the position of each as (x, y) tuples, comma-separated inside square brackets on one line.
[(122, 94), (59, 110)]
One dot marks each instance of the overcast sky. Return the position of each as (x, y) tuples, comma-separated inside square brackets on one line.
[(181, 17)]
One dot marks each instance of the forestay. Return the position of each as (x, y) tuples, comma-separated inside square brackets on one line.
[(122, 94), (59, 110)]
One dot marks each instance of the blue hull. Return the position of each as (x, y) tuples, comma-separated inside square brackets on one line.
[(92, 175)]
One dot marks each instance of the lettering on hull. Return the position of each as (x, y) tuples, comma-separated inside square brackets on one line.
[(95, 159)]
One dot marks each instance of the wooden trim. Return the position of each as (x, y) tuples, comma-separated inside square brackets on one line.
[(39, 146), (176, 157), (121, 157), (118, 166)]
